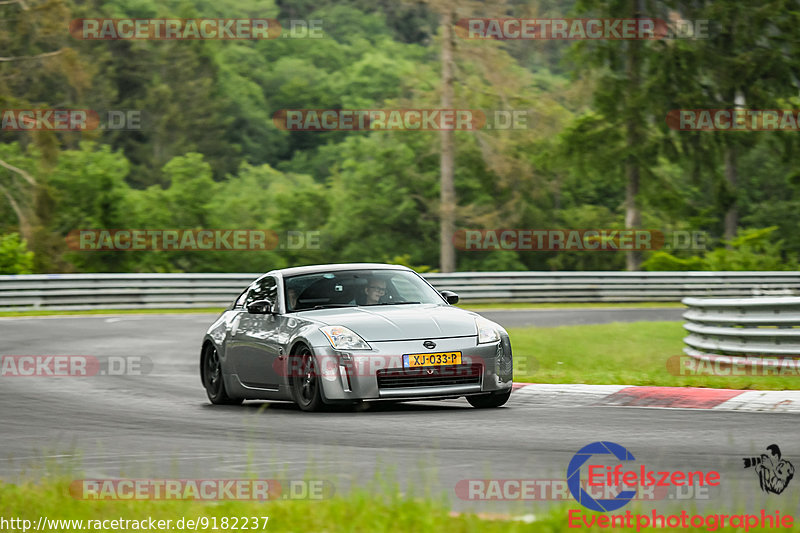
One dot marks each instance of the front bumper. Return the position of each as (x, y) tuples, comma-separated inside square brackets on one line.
[(379, 373)]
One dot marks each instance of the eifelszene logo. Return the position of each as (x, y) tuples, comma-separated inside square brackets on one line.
[(774, 473), (630, 476), (574, 476)]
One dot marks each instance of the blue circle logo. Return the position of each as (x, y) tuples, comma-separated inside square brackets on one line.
[(574, 476)]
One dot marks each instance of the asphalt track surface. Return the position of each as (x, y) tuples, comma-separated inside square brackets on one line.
[(160, 425)]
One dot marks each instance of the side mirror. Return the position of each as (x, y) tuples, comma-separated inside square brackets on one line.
[(450, 296), (260, 307)]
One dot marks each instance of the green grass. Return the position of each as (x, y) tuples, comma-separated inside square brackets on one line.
[(381, 510), (634, 353), (376, 509), (361, 511), (568, 305)]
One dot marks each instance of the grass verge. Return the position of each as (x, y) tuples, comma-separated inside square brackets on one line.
[(379, 510), (633, 353), (570, 305), (361, 510)]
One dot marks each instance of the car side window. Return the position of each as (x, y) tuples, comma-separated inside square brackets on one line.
[(240, 299), (264, 289)]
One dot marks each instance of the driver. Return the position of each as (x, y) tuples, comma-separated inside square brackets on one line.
[(291, 300), (375, 290)]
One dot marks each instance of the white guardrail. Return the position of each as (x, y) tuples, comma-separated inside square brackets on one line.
[(154, 291), (741, 329)]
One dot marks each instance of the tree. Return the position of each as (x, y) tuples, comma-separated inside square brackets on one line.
[(85, 189), (382, 198), (447, 260), (749, 59), (36, 66), (623, 101)]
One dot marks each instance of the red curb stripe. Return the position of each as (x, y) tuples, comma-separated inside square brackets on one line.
[(686, 397), (515, 386)]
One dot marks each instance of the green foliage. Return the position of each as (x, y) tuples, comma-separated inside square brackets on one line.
[(753, 249), (405, 260), (383, 195), (14, 255), (208, 154), (88, 186)]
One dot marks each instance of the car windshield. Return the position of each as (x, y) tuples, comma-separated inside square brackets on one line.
[(353, 288)]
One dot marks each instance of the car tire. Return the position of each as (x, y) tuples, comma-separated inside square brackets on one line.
[(306, 387), (488, 401), (211, 374)]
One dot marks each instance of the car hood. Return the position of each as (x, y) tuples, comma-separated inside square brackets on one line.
[(400, 322)]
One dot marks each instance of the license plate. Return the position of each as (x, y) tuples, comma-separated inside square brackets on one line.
[(416, 360)]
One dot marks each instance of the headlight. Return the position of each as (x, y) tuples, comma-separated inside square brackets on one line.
[(487, 331), (342, 338)]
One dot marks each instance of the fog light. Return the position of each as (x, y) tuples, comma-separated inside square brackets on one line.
[(345, 377)]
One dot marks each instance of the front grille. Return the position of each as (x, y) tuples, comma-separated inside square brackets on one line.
[(400, 378)]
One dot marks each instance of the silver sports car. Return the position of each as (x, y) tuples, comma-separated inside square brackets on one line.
[(329, 334)]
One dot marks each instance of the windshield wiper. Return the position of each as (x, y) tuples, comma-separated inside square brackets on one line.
[(398, 303), (330, 306)]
